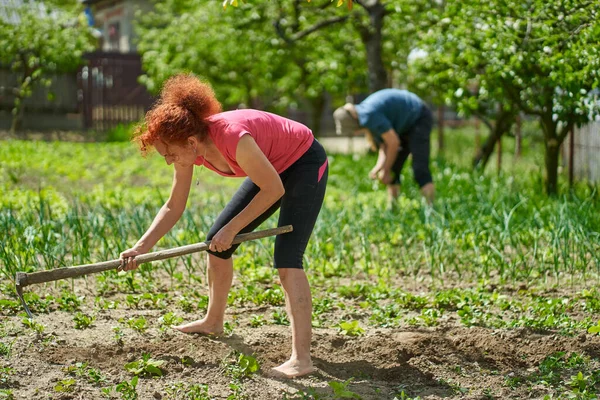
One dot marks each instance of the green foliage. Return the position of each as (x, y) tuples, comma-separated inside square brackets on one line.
[(6, 394), (5, 376), (6, 349), (146, 366), (241, 367), (118, 335), (81, 369), (69, 301), (120, 133), (139, 325), (83, 321), (169, 319), (351, 328), (128, 389), (204, 39), (595, 328), (186, 391), (483, 56), (257, 320), (236, 3), (40, 45), (65, 385), (37, 327), (341, 391)]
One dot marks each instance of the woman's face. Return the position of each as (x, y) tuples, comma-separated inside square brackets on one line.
[(173, 153)]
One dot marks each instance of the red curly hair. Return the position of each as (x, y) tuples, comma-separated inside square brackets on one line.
[(181, 111)]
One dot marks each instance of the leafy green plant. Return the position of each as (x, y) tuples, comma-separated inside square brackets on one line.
[(243, 366), (257, 320), (350, 328), (6, 394), (139, 324), (183, 391), (118, 335), (128, 389), (37, 327), (5, 373), (280, 318), (341, 391), (595, 328), (6, 348), (83, 321), (65, 385), (81, 369), (146, 366), (168, 320), (69, 301)]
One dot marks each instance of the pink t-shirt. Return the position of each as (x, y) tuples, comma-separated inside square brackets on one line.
[(282, 140)]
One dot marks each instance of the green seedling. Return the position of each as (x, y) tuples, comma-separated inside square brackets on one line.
[(37, 327), (146, 366), (128, 389), (183, 391), (139, 325), (119, 334), (350, 328), (70, 302), (257, 320), (83, 321), (65, 385), (341, 391), (595, 329), (168, 320)]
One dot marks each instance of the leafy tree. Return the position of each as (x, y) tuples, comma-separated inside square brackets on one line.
[(251, 55), (537, 57), (232, 51), (38, 42)]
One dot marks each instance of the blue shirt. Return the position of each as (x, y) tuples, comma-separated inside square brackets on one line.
[(389, 109)]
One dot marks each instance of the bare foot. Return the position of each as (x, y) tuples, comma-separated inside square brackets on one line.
[(292, 369), (201, 326)]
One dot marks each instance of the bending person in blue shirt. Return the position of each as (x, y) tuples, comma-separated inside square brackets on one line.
[(399, 123)]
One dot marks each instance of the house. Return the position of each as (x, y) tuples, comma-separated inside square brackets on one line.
[(114, 19)]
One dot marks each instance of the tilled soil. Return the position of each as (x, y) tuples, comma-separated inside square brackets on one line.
[(433, 363)]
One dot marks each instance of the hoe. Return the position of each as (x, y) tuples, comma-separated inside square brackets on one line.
[(23, 279)]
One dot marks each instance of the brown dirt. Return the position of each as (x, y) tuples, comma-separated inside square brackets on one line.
[(449, 361), (382, 362)]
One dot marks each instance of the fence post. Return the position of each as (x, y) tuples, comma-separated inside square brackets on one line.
[(571, 156)]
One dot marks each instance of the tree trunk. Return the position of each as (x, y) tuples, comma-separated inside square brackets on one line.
[(318, 108), (372, 39), (518, 137), (17, 119), (551, 157), (503, 124)]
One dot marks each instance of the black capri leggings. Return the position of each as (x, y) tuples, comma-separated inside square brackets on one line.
[(416, 142), (304, 182)]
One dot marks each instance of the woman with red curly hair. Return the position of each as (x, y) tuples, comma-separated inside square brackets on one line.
[(285, 167)]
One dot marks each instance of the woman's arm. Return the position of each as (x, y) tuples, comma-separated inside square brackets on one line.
[(260, 170), (166, 218), (171, 211)]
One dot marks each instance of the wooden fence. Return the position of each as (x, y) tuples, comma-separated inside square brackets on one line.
[(102, 94)]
